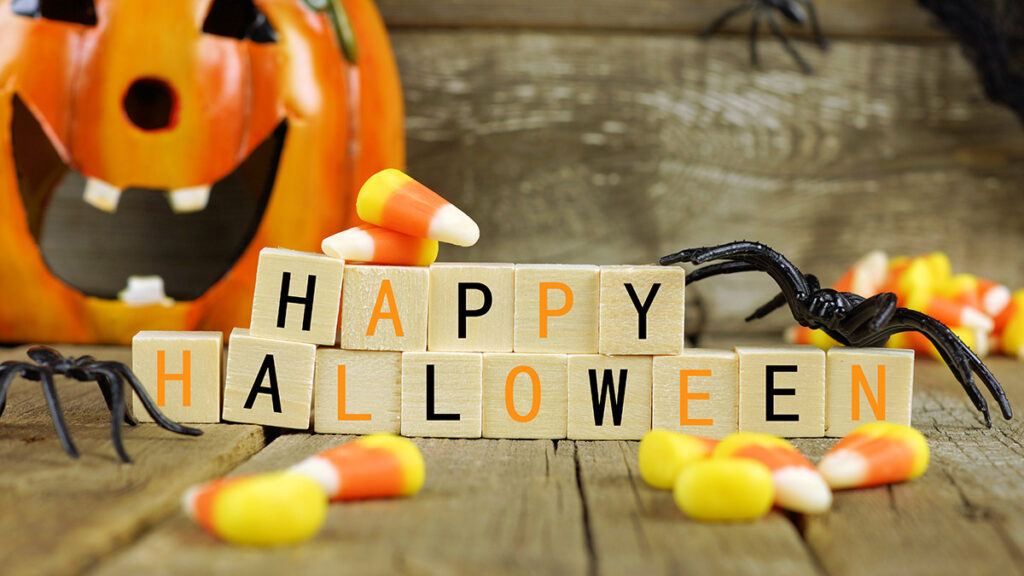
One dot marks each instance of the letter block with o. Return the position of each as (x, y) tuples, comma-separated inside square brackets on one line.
[(181, 372), (525, 395), (297, 297)]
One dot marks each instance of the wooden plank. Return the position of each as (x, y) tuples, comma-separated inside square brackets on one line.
[(872, 18), (635, 529), (61, 515), (488, 507), (613, 148)]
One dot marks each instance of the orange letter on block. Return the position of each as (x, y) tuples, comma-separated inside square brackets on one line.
[(510, 383), (185, 377), (685, 397), (545, 313), (342, 415), (861, 381), (385, 292)]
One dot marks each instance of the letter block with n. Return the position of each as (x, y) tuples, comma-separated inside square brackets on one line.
[(297, 297), (868, 385), (609, 397), (268, 382), (181, 372)]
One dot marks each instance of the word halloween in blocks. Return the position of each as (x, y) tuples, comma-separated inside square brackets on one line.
[(503, 351)]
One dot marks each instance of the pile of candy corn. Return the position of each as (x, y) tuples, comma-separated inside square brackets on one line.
[(404, 222), (741, 477), (289, 506), (984, 314)]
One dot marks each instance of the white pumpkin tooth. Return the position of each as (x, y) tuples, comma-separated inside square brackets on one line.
[(144, 291), (101, 195), (184, 200)]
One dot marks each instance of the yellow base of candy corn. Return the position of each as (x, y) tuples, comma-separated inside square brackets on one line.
[(407, 453), (725, 490), (273, 509)]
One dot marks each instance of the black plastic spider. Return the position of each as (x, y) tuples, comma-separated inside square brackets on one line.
[(110, 376), (796, 11), (847, 317)]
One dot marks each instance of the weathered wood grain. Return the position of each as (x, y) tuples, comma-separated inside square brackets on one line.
[(488, 507), (619, 148), (873, 18), (59, 516)]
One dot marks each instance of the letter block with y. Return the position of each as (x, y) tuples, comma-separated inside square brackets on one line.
[(525, 395), (609, 397), (181, 372), (868, 385), (782, 390), (385, 308), (268, 382), (696, 393), (297, 297), (471, 307), (357, 392), (557, 308), (642, 309)]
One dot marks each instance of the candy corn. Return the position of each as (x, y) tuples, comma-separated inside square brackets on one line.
[(874, 454), (274, 509), (994, 296), (369, 243), (393, 200), (663, 454), (798, 485), (866, 276), (375, 466), (805, 335), (949, 312), (724, 490)]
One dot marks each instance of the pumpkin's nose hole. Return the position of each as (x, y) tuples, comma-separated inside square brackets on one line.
[(151, 104)]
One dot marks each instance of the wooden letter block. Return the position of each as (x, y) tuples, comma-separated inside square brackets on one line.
[(269, 382), (471, 307), (357, 392), (868, 385), (525, 395), (385, 308), (181, 373), (782, 390), (696, 393), (297, 297), (442, 394), (609, 397), (642, 309), (557, 308)]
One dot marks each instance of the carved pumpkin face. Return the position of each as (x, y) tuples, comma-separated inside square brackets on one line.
[(175, 139)]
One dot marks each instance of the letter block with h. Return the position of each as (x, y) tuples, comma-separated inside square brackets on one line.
[(181, 372), (297, 297)]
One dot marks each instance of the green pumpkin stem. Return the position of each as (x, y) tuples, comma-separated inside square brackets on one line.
[(342, 26)]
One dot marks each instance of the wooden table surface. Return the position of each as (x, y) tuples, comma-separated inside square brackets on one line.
[(497, 506)]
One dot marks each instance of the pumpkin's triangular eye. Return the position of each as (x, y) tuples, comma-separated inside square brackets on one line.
[(76, 11), (239, 19)]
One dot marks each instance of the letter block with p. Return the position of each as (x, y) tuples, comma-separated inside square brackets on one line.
[(181, 371), (471, 307), (556, 308)]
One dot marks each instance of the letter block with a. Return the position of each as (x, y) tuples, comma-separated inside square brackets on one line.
[(609, 397), (181, 372), (557, 308), (442, 394), (696, 393), (868, 385), (297, 297), (525, 395), (385, 308), (268, 382), (782, 390), (642, 309), (471, 307), (357, 392)]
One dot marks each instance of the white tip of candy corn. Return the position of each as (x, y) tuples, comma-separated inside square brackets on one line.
[(352, 244), (976, 319), (802, 490), (320, 471), (453, 226), (996, 299), (843, 469)]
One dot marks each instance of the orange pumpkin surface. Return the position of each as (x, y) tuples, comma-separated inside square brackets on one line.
[(140, 136)]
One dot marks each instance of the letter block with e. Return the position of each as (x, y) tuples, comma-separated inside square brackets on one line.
[(868, 385), (269, 382), (609, 397), (471, 307), (782, 390), (696, 393), (297, 297), (357, 392), (557, 308), (525, 395), (385, 308), (181, 371)]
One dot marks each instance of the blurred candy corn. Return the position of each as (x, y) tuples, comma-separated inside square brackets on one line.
[(663, 455), (874, 454), (798, 485), (369, 243), (375, 466), (724, 490)]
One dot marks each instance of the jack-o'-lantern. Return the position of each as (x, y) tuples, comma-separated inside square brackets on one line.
[(162, 143)]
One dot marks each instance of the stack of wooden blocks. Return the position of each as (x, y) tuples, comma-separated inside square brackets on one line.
[(502, 351)]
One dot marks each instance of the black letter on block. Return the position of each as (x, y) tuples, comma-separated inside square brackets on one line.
[(266, 369), (608, 383), (770, 392), (286, 299), (642, 309), (431, 415), (465, 287)]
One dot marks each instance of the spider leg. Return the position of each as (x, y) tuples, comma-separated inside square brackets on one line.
[(116, 387), (812, 13), (759, 256), (755, 21), (729, 14), (105, 387), (773, 24), (771, 306), (7, 375), (716, 269), (50, 391), (865, 320), (110, 369)]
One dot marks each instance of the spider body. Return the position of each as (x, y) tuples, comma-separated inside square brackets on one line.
[(111, 378), (799, 12), (848, 318)]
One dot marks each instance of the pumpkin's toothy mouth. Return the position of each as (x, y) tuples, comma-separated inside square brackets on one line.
[(99, 239)]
